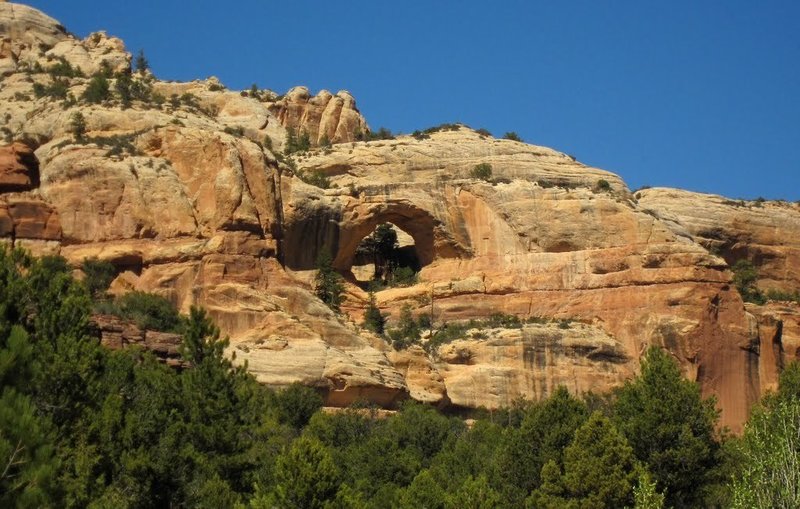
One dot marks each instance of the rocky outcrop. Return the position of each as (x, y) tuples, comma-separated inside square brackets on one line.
[(765, 232), (19, 169), (116, 333), (323, 116), (187, 200)]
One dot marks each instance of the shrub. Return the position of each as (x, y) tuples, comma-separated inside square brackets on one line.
[(511, 135), (602, 186), (237, 131), (481, 171), (403, 276), (57, 89), (99, 275), (148, 311), (315, 178), (745, 276), (483, 132), (98, 89)]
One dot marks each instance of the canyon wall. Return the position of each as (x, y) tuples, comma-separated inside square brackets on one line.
[(186, 198)]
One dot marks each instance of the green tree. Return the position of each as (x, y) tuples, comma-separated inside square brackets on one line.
[(769, 470), (141, 64), (373, 319), (98, 89), (745, 276), (77, 126), (98, 276), (546, 430), (27, 464), (475, 494), (645, 494), (122, 86), (600, 470), (328, 284), (296, 404), (671, 429), (511, 135), (423, 491), (306, 476), (407, 331)]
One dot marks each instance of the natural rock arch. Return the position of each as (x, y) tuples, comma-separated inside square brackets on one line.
[(359, 223)]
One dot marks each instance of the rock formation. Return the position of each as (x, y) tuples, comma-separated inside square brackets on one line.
[(182, 193)]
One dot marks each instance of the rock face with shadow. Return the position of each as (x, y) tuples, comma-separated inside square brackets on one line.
[(186, 198)]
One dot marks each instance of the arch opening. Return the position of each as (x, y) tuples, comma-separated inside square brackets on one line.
[(387, 256)]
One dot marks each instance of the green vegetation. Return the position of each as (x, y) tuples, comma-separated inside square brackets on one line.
[(146, 310), (296, 142), (483, 132), (373, 319), (77, 126), (511, 135), (57, 89), (315, 178), (745, 276), (83, 426), (481, 171), (98, 89), (602, 186), (140, 63), (98, 276), (328, 285), (381, 134), (422, 135), (392, 268)]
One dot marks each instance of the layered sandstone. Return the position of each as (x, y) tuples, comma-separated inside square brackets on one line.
[(323, 116), (186, 199), (765, 232)]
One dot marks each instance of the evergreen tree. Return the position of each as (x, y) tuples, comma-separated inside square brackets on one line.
[(373, 319), (123, 85), (671, 429), (141, 64), (328, 284), (306, 477), (475, 494), (600, 470), (98, 89), (77, 126)]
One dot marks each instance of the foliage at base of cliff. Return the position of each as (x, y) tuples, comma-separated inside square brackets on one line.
[(83, 426)]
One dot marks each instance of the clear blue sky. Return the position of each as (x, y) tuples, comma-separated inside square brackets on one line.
[(702, 95)]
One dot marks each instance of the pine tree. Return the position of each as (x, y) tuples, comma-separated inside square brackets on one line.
[(373, 319), (141, 63), (328, 284), (671, 429)]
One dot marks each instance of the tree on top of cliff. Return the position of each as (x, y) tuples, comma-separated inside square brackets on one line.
[(671, 429)]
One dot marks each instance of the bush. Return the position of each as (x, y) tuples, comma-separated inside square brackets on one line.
[(295, 142), (403, 276), (481, 171), (511, 135), (98, 89), (407, 332), (149, 311), (745, 276), (99, 275), (141, 64), (315, 178), (602, 186), (57, 89)]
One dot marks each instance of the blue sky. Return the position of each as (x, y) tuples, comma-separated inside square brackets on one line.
[(702, 95)]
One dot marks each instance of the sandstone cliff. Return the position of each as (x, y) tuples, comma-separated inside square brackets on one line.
[(186, 199)]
